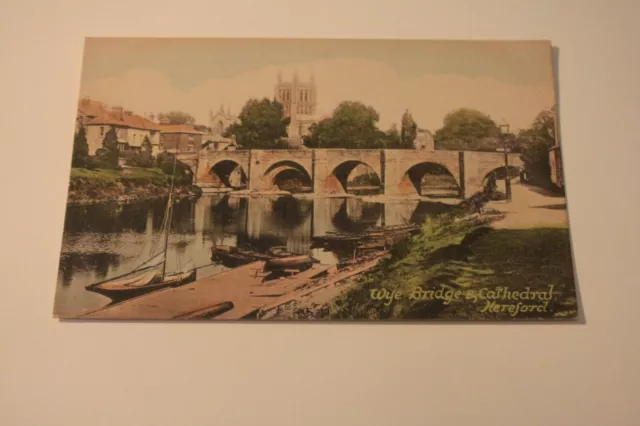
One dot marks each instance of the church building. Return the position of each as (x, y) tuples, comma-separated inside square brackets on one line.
[(214, 139), (299, 100)]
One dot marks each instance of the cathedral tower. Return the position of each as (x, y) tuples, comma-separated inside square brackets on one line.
[(299, 101)]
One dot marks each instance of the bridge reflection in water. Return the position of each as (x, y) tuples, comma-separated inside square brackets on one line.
[(106, 240), (263, 222)]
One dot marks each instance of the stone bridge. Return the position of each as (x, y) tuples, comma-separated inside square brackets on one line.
[(400, 170)]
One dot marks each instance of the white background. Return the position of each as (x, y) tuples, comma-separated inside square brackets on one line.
[(66, 373)]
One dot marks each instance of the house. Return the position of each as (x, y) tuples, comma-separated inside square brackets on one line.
[(88, 109), (181, 138), (424, 140), (131, 129)]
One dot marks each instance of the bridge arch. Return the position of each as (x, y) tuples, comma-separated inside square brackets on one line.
[(499, 175), (338, 179), (283, 174), (228, 173), (434, 177)]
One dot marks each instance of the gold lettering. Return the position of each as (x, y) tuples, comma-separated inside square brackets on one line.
[(488, 306), (550, 295), (416, 293)]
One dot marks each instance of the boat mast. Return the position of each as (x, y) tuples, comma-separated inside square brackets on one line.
[(170, 212)]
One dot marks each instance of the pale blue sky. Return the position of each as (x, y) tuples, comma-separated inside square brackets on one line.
[(189, 62), (510, 81)]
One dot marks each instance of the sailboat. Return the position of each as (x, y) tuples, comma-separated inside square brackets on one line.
[(152, 274)]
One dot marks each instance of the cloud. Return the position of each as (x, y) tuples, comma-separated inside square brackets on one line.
[(428, 97)]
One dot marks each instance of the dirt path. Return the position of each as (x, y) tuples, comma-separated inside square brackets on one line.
[(530, 207)]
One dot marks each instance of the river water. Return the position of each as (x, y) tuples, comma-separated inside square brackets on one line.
[(106, 240)]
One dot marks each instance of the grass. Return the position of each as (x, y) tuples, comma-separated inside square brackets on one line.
[(468, 257), (107, 179)]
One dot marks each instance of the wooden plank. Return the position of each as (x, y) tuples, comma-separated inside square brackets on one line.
[(229, 286), (260, 298), (333, 279)]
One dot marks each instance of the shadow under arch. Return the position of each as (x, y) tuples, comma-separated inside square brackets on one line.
[(342, 171), (223, 171), (434, 176), (289, 175), (499, 173)]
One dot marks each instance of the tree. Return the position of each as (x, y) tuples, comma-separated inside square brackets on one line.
[(183, 174), (80, 149), (146, 153), (177, 117), (352, 125), (262, 125), (108, 154), (409, 130), (467, 129), (393, 138), (535, 144)]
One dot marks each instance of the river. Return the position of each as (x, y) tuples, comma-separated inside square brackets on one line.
[(102, 241)]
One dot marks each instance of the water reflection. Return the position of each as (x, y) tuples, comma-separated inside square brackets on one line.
[(106, 240)]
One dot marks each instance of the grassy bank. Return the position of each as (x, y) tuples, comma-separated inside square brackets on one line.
[(462, 269), (90, 186)]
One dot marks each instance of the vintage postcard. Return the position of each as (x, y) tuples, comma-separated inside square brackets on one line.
[(316, 179)]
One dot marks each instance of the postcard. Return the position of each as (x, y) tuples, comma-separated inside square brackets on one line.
[(316, 180)]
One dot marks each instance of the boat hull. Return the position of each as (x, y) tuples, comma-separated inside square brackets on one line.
[(289, 263), (121, 293)]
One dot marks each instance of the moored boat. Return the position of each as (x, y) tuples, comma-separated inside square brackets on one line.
[(295, 263), (152, 274), (122, 289)]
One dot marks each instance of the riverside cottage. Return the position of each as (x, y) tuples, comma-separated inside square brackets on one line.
[(131, 129)]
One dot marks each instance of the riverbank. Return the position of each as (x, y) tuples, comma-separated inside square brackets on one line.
[(486, 266), (123, 186)]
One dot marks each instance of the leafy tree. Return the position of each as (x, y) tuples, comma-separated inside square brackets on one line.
[(409, 130), (80, 149), (535, 144), (467, 129), (146, 153), (177, 117), (108, 154), (392, 136), (262, 125), (183, 174), (352, 125)]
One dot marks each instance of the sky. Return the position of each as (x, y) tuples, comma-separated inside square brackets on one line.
[(510, 81)]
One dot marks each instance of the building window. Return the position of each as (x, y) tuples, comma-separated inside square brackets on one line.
[(101, 131), (216, 146)]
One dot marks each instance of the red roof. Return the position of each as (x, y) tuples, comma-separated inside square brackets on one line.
[(178, 128), (91, 108), (98, 113), (123, 120)]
